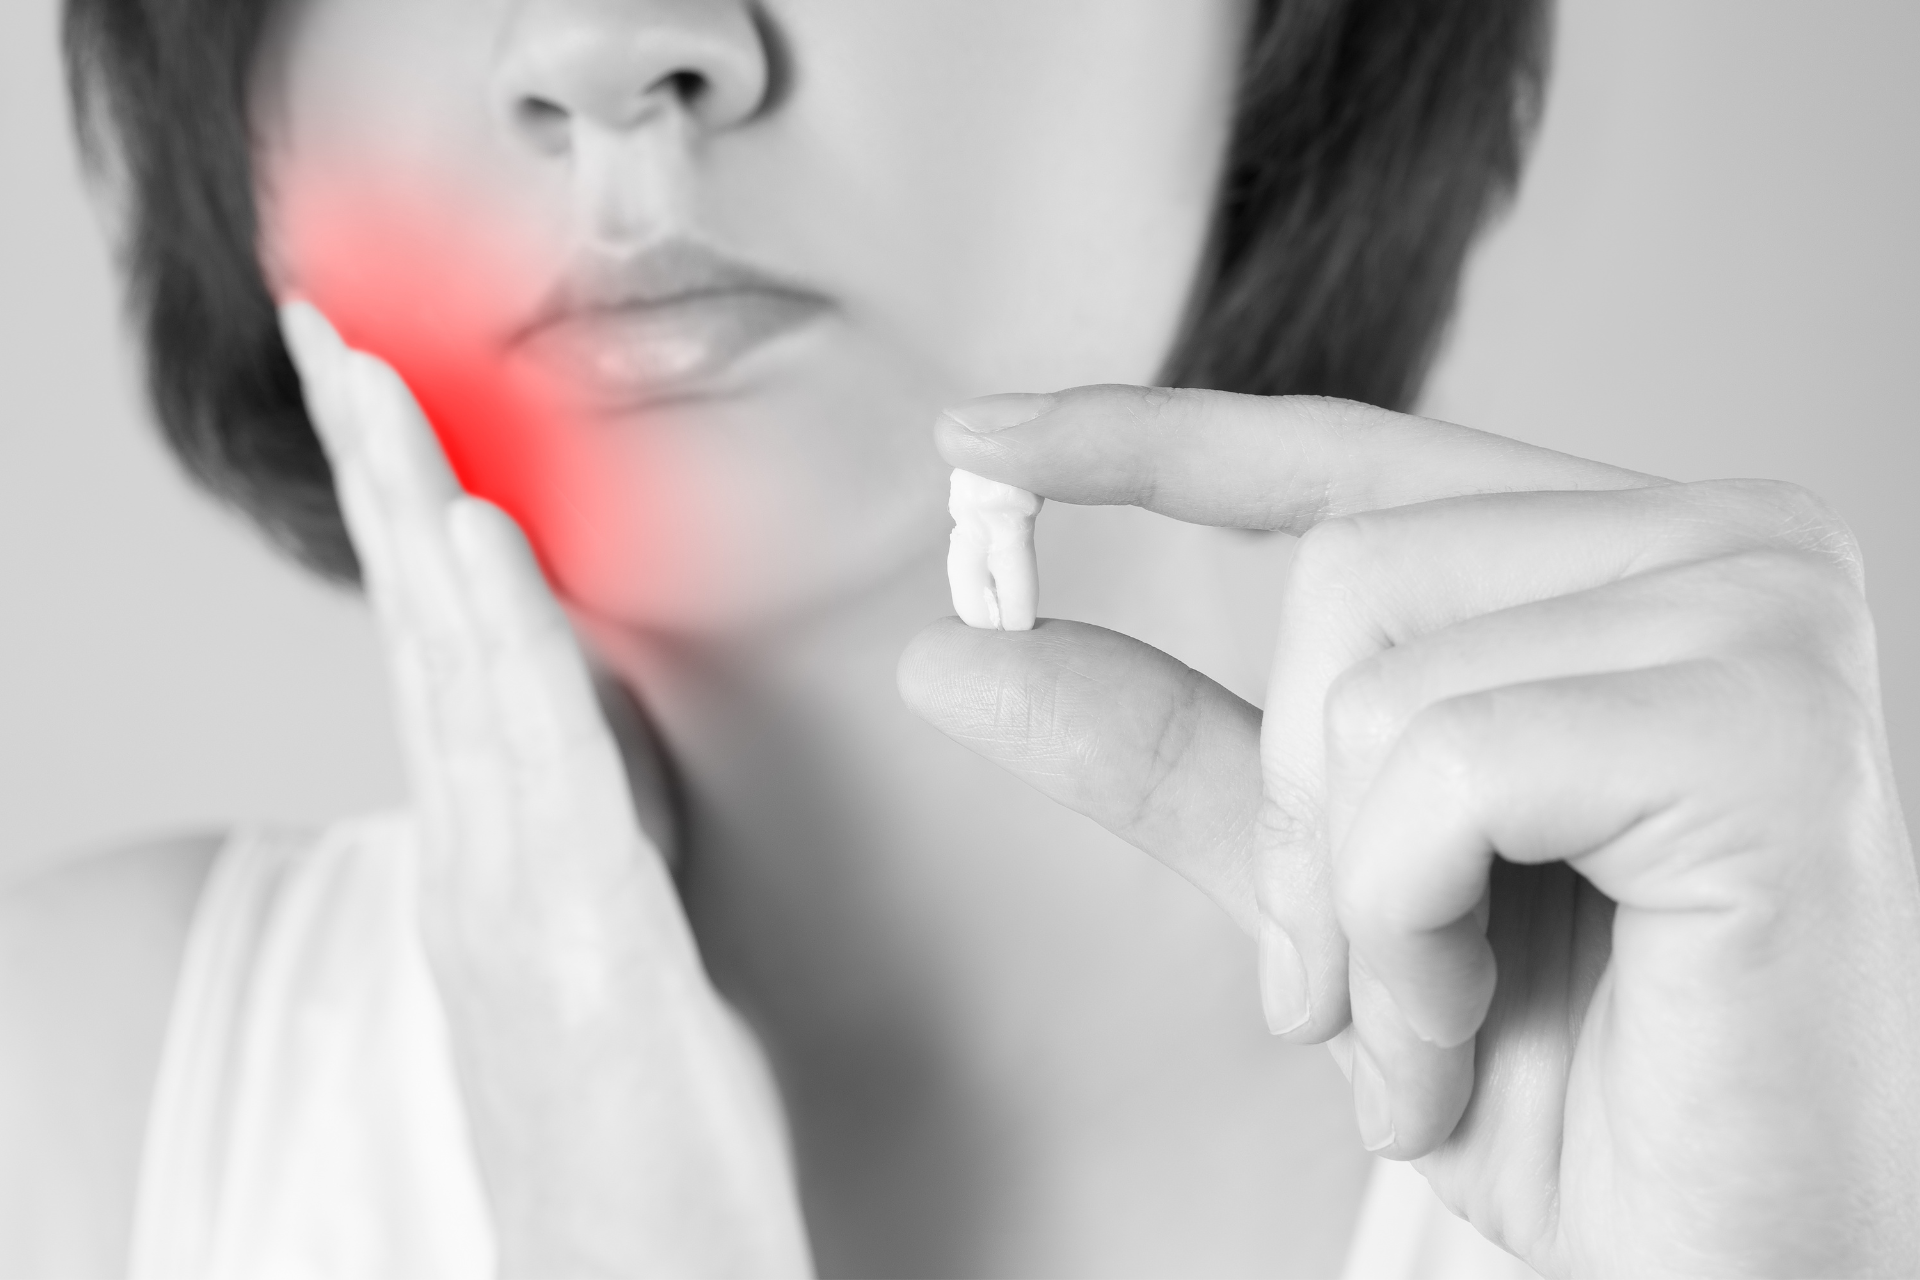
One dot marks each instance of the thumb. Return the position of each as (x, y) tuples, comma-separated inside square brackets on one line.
[(1149, 748)]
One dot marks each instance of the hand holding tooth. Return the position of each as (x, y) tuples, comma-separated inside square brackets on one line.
[(1568, 820)]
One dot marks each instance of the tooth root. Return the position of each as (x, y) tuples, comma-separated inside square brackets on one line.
[(972, 584), (1016, 585)]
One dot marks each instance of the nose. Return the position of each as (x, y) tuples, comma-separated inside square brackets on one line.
[(616, 64)]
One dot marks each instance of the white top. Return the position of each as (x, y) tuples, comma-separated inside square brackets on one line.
[(306, 1122)]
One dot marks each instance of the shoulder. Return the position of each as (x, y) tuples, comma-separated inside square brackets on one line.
[(89, 951)]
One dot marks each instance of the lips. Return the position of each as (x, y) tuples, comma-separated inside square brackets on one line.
[(676, 321)]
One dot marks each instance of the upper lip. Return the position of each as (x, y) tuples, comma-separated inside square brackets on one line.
[(665, 272)]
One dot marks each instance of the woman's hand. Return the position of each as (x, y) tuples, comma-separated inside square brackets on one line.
[(1569, 823), (624, 1120)]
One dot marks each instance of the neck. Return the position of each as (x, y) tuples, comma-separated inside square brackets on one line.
[(702, 717), (803, 660), (946, 967)]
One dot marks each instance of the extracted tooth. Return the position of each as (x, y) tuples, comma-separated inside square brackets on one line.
[(990, 561)]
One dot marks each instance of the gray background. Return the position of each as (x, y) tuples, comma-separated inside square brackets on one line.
[(1713, 271)]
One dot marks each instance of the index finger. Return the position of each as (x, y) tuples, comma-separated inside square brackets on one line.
[(1242, 461)]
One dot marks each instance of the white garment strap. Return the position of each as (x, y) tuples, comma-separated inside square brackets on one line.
[(1405, 1233), (306, 1121)]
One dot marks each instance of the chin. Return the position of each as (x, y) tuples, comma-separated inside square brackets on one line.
[(811, 494)]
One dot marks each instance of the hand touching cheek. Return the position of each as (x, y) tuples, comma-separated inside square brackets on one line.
[(622, 1116)]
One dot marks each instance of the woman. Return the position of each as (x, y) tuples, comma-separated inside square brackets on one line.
[(668, 279)]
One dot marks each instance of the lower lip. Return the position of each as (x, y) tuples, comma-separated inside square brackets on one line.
[(638, 356)]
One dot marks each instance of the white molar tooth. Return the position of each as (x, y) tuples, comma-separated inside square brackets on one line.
[(990, 561)]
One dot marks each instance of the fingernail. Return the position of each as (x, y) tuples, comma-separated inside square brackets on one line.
[(1283, 981), (996, 413), (1370, 1105)]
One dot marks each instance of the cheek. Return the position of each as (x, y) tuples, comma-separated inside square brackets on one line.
[(405, 276)]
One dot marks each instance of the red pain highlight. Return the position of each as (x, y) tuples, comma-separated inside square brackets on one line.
[(411, 275)]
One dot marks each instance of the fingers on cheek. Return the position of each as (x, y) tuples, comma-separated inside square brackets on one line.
[(447, 775), (410, 453), (325, 387), (544, 693), (483, 662), (316, 352), (372, 540)]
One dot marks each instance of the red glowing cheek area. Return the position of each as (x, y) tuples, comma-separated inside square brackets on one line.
[(407, 273)]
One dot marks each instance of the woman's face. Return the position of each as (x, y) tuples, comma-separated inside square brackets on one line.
[(682, 282)]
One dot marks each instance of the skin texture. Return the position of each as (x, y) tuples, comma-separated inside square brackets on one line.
[(1674, 1028)]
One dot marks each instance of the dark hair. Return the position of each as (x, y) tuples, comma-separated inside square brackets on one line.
[(1374, 138)]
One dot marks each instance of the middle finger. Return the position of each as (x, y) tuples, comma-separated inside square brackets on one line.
[(1361, 586)]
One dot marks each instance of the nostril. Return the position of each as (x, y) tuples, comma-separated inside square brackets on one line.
[(546, 123), (561, 67), (549, 125), (687, 86)]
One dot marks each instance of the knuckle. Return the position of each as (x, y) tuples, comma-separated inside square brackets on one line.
[(1804, 601), (1795, 518), (1364, 707), (1334, 420), (1354, 888), (1442, 739), (1146, 407), (1151, 422), (1779, 572), (1333, 557), (1375, 900), (1332, 412), (1801, 750), (1291, 817), (1796, 738), (1163, 402)]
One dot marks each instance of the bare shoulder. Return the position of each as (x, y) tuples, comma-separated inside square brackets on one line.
[(89, 952)]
